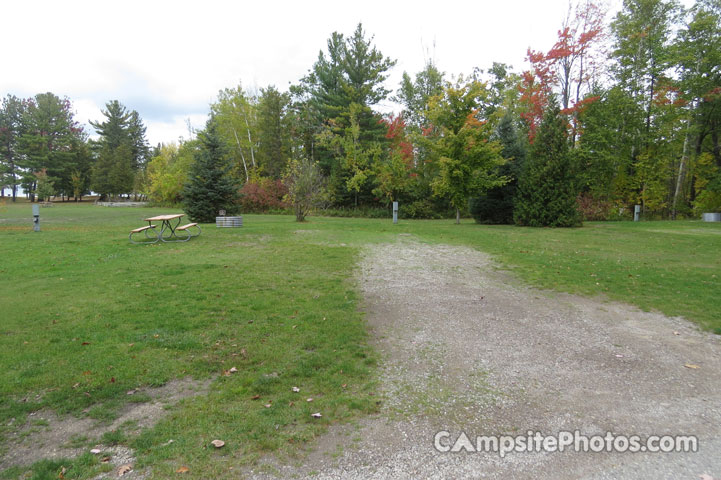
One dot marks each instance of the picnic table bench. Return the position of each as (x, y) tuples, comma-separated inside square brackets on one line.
[(169, 226)]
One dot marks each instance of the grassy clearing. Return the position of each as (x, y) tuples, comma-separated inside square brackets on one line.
[(86, 316), (672, 267)]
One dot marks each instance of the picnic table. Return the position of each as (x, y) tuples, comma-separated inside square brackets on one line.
[(169, 228)]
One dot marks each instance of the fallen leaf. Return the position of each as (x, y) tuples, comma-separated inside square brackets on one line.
[(267, 405), (85, 343), (233, 370), (344, 385), (691, 365), (218, 443), (676, 333), (123, 469), (255, 397), (95, 451), (296, 389), (182, 470), (61, 473), (131, 392), (112, 379), (618, 355), (156, 336), (316, 415), (105, 460), (131, 344), (290, 404), (309, 400), (226, 373), (243, 352)]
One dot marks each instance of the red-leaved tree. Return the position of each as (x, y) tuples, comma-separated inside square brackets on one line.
[(568, 68)]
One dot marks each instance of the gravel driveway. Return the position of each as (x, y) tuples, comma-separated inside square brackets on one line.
[(467, 348)]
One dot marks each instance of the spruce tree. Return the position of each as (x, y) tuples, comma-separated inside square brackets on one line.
[(546, 195), (210, 186)]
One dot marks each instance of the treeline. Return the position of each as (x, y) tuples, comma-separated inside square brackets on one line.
[(616, 113), (44, 150), (637, 99)]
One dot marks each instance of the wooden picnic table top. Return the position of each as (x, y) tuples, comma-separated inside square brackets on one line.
[(164, 218)]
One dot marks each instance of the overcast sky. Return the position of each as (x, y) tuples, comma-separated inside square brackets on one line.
[(168, 60)]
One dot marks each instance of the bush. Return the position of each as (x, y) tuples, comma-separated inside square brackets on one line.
[(263, 195), (592, 208), (361, 212), (423, 209), (494, 208)]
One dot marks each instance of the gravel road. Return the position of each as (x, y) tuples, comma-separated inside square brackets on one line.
[(467, 348)]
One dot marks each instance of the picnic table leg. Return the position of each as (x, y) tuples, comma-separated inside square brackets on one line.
[(156, 239), (168, 225)]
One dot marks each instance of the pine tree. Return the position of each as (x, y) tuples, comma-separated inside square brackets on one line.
[(546, 194), (210, 187), (121, 150)]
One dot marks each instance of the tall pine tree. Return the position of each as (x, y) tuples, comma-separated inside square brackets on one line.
[(210, 187), (121, 150), (546, 195)]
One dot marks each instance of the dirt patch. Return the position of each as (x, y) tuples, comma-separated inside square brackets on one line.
[(47, 435), (468, 349)]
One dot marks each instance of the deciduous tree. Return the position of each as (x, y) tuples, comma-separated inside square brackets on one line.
[(467, 158)]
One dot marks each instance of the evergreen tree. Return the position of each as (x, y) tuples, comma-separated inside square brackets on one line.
[(337, 96), (49, 140), (11, 130), (121, 151), (496, 207), (210, 187), (273, 131), (546, 194)]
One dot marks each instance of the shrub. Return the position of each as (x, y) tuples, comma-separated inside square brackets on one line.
[(263, 195), (593, 208)]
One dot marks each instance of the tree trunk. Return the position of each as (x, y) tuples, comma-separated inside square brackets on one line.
[(250, 140), (458, 216), (682, 165), (245, 166)]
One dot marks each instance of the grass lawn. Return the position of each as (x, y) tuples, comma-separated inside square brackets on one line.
[(86, 317)]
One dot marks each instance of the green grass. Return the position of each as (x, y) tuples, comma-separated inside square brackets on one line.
[(87, 316), (671, 267)]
